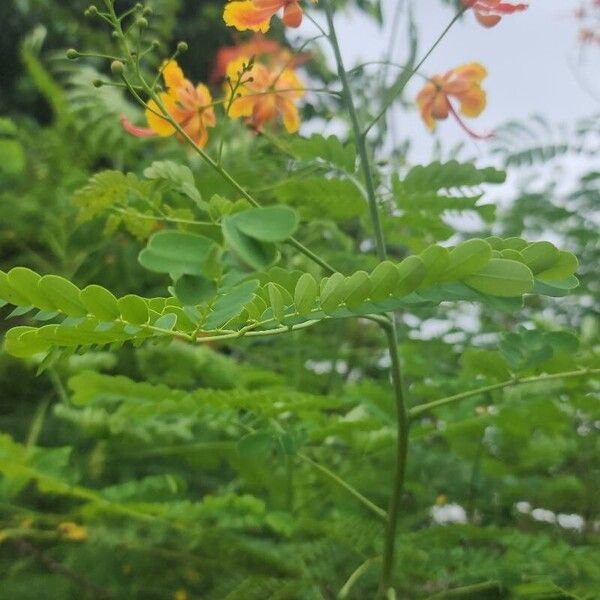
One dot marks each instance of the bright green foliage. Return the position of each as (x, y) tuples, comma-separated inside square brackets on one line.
[(330, 150), (213, 414), (428, 193), (469, 274)]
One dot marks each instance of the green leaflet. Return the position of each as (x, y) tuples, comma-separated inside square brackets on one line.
[(252, 233), (269, 224), (502, 277), (451, 174), (100, 302), (411, 272), (540, 256), (465, 259), (194, 289), (133, 309), (230, 303), (328, 149), (305, 294), (62, 294), (276, 301), (179, 253), (179, 176)]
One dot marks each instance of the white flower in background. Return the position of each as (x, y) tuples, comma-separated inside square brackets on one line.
[(448, 513), (575, 522), (542, 514)]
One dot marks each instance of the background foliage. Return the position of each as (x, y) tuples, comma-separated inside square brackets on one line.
[(178, 471)]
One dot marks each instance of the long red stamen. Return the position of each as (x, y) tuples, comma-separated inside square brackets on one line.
[(134, 130), (467, 129)]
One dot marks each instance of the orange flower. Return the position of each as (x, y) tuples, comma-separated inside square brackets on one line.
[(462, 83), (256, 14), (490, 12), (191, 107), (270, 52), (262, 94)]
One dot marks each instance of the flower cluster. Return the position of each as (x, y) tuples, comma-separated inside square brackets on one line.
[(261, 84), (463, 84)]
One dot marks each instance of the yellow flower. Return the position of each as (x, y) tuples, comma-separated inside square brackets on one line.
[(190, 107), (463, 84), (72, 531)]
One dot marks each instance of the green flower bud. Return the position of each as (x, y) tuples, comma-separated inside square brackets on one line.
[(182, 47), (142, 23), (97, 83), (91, 11), (117, 67), (72, 54), (147, 11)]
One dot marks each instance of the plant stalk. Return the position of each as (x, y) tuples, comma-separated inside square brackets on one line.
[(388, 325)]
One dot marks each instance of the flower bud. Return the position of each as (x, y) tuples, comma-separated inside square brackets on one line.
[(97, 83), (139, 6), (142, 23), (155, 44), (117, 67), (182, 47), (91, 11), (147, 12), (72, 54)]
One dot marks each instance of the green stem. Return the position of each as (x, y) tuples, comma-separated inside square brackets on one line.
[(344, 484), (402, 430), (388, 324), (467, 590), (358, 137), (360, 571), (422, 408)]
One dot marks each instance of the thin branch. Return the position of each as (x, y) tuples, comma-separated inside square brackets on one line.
[(356, 575), (379, 512), (422, 408), (55, 567)]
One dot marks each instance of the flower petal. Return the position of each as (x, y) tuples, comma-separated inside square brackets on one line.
[(473, 102), (172, 74), (242, 107), (292, 15), (487, 20), (472, 71), (158, 123), (289, 112), (253, 15)]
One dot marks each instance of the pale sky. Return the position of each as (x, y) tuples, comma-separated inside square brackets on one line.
[(530, 57)]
